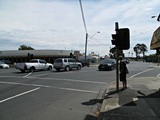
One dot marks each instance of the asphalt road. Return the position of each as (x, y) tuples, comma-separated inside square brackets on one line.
[(51, 95)]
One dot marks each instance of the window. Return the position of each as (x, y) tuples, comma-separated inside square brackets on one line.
[(58, 61), (65, 60), (42, 61), (71, 60), (34, 61)]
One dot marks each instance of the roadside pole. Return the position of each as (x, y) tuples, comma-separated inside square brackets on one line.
[(121, 40), (117, 70), (117, 56)]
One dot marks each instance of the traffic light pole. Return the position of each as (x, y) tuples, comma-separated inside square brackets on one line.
[(117, 57)]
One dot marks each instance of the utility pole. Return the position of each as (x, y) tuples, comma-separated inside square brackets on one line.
[(86, 47)]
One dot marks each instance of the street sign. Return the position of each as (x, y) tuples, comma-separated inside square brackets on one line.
[(155, 42)]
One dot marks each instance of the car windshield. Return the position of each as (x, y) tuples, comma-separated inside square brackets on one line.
[(108, 61), (1, 62)]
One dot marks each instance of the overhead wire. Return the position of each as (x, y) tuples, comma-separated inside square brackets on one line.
[(85, 27), (99, 42)]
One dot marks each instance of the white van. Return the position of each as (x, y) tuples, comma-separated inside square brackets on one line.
[(67, 64)]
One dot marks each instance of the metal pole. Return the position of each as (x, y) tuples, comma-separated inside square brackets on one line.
[(86, 47), (117, 56)]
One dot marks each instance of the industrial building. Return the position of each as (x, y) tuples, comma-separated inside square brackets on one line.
[(15, 56)]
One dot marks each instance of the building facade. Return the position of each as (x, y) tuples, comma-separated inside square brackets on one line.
[(25, 55)]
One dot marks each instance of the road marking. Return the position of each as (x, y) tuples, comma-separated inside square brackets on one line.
[(140, 73), (27, 75), (70, 80), (158, 75), (57, 79), (19, 95), (47, 86), (77, 90), (40, 75)]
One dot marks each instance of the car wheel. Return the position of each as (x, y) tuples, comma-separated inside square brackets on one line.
[(112, 68), (58, 69), (50, 68), (79, 67), (67, 68), (32, 69), (22, 71)]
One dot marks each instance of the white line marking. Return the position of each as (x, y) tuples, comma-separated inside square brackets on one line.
[(58, 79), (40, 75), (46, 86), (70, 80), (27, 75), (19, 95), (77, 90), (158, 75), (140, 73)]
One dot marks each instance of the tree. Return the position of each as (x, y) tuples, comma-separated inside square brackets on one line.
[(24, 47), (140, 48), (143, 49), (137, 50), (112, 52)]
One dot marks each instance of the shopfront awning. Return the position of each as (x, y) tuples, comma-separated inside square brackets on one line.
[(155, 42)]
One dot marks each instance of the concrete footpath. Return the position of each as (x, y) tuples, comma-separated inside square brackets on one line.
[(140, 101)]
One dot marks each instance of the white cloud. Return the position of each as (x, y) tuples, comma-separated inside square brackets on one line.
[(57, 24)]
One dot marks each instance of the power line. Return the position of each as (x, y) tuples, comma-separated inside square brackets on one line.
[(85, 27), (99, 42)]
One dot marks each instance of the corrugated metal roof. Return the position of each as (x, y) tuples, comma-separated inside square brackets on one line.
[(12, 53)]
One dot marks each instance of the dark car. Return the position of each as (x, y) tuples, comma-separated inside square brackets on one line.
[(85, 63), (107, 64)]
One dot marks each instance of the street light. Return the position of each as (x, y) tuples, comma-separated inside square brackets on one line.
[(86, 43)]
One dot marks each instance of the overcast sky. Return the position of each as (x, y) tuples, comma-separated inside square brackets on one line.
[(58, 24)]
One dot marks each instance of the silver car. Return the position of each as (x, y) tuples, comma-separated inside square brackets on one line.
[(67, 64)]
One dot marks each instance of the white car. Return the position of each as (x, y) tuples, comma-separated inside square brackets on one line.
[(33, 65), (3, 65)]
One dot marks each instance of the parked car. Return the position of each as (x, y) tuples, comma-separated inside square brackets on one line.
[(67, 64), (3, 65), (107, 64), (33, 65)]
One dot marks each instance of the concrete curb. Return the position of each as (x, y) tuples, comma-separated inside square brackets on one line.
[(135, 84)]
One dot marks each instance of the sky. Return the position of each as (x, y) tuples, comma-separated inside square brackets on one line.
[(58, 24)]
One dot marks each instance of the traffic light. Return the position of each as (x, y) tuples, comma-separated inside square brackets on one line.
[(121, 39), (114, 39), (124, 39)]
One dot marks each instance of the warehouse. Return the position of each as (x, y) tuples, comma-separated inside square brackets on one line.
[(25, 55)]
